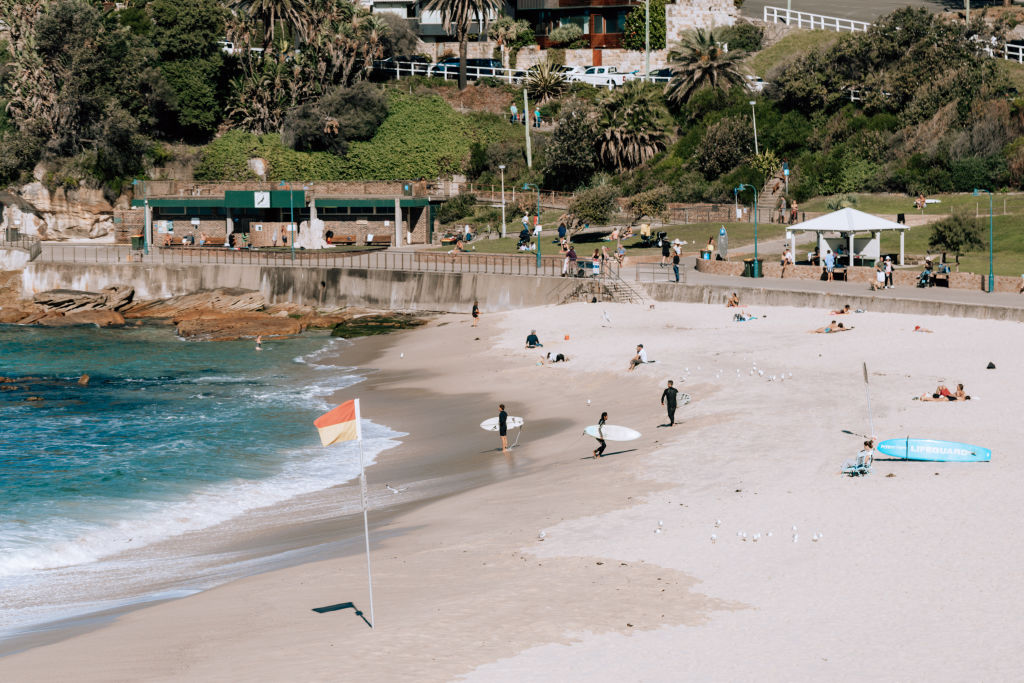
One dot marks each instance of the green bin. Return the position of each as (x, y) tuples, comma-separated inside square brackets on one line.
[(137, 242), (752, 267)]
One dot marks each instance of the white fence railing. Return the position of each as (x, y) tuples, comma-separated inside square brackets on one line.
[(450, 71), (781, 15)]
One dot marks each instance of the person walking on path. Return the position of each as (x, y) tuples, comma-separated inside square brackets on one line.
[(599, 451), (503, 427), (668, 399), (830, 264), (476, 313)]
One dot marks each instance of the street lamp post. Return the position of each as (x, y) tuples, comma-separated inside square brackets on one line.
[(753, 114), (527, 186), (991, 272), (755, 270), (502, 169), (291, 218)]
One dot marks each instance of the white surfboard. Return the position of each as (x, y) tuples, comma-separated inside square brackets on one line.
[(491, 424), (613, 433)]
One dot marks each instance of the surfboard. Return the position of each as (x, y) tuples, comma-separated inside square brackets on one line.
[(613, 433), (932, 450), (491, 424)]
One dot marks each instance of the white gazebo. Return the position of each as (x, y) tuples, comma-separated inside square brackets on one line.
[(842, 227)]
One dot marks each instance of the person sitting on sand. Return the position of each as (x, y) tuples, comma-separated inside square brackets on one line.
[(832, 327), (842, 311), (733, 302), (532, 341), (639, 358)]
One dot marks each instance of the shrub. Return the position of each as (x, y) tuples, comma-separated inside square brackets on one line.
[(651, 203), (456, 208), (595, 205), (743, 36), (340, 116), (570, 155), (565, 35), (725, 144), (958, 233)]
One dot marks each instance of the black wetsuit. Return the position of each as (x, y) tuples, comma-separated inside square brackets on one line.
[(668, 398), (502, 423), (600, 449)]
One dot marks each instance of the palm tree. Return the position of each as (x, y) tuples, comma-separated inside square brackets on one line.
[(699, 62), (545, 81), (633, 128), (292, 13), (458, 14)]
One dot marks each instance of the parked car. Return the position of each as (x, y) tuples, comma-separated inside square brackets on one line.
[(402, 65), (663, 75), (755, 83), (600, 76), (475, 68)]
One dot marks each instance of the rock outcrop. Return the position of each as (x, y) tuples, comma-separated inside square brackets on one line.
[(228, 327), (60, 214), (112, 298), (224, 300), (98, 318)]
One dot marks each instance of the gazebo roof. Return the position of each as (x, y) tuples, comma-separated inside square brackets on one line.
[(847, 220)]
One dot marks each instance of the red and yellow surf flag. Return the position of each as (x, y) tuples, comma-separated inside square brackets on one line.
[(340, 424)]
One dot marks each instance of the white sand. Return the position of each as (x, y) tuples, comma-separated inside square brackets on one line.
[(916, 577)]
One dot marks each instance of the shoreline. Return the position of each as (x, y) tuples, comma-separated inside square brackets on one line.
[(466, 587)]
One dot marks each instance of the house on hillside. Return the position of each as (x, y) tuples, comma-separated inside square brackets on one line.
[(426, 23)]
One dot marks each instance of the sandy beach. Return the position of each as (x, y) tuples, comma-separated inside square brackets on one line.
[(913, 578)]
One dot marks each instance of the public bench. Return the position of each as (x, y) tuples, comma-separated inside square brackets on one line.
[(378, 241), (345, 240)]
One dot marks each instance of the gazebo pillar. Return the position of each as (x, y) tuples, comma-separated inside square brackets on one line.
[(902, 232), (850, 238)]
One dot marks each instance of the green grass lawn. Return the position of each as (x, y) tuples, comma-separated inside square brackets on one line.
[(897, 203), (796, 43), (1007, 242)]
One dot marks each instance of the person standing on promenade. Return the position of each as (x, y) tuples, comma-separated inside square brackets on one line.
[(668, 399), (888, 272), (675, 264), (476, 313), (665, 249), (503, 427), (830, 264), (599, 451)]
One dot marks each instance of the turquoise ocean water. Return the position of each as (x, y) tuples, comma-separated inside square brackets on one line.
[(167, 439)]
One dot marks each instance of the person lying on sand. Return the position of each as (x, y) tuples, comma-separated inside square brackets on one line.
[(942, 393), (918, 328), (842, 311), (733, 301), (552, 357), (832, 327)]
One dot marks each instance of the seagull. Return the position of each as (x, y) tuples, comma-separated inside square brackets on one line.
[(795, 538), (401, 355), (714, 537), (718, 523), (541, 535), (394, 490), (607, 318)]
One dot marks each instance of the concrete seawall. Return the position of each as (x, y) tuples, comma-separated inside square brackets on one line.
[(448, 292), (389, 289)]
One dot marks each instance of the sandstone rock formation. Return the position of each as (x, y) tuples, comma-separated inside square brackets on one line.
[(61, 214), (67, 300), (224, 300), (227, 327)]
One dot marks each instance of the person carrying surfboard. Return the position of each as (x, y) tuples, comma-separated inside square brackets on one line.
[(599, 451), (668, 399), (503, 427)]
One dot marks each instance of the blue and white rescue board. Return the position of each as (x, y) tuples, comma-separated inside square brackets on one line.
[(936, 451)]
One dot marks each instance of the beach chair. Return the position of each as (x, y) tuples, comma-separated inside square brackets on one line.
[(859, 467)]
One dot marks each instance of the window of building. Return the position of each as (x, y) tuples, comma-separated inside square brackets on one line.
[(599, 24)]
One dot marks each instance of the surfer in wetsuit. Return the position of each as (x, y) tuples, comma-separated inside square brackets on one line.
[(668, 399), (503, 427), (600, 436)]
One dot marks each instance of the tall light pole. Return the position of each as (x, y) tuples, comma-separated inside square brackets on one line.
[(755, 270), (647, 39), (291, 225), (526, 125), (753, 115), (991, 272), (527, 186), (502, 168)]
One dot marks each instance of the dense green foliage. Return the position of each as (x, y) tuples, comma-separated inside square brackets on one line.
[(635, 32), (339, 117), (457, 208), (594, 205)]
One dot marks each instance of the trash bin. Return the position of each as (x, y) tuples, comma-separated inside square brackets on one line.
[(752, 267), (137, 242), (705, 255), (13, 234)]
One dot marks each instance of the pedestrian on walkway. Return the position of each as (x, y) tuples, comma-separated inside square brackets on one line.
[(476, 313), (888, 272), (599, 451), (668, 399), (675, 264), (830, 264)]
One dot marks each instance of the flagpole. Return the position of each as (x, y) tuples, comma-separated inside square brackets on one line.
[(366, 523), (867, 392)]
